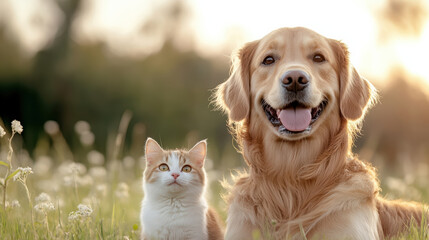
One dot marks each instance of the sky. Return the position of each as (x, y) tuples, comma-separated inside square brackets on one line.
[(218, 27)]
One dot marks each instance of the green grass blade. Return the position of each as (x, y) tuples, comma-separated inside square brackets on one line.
[(4, 164), (113, 215), (12, 174)]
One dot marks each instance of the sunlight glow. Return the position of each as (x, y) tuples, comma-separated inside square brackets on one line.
[(412, 55), (216, 28), (32, 22)]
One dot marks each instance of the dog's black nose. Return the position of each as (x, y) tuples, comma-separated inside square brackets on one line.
[(295, 80)]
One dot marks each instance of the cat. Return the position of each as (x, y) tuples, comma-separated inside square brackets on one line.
[(174, 206)]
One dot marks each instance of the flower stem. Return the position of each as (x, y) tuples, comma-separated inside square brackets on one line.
[(47, 225), (9, 154), (9, 160), (31, 206)]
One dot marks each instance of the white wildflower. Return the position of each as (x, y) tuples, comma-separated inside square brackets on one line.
[(43, 165), (82, 127), (17, 127), (91, 200), (129, 162), (1, 181), (95, 158), (44, 207), (51, 127), (43, 197), (83, 212), (87, 138), (73, 217), (85, 180), (2, 132), (98, 173), (77, 168), (22, 174), (15, 204), (68, 181), (101, 189), (122, 191)]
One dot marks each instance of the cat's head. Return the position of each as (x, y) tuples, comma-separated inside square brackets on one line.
[(175, 170)]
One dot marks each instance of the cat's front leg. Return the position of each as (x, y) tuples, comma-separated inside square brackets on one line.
[(238, 223)]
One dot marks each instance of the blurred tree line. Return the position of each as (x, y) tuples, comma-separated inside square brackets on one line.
[(167, 92)]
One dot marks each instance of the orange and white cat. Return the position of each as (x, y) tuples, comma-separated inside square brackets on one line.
[(174, 206)]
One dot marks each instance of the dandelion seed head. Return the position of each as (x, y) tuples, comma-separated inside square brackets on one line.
[(77, 168), (43, 165), (2, 132), (65, 169), (122, 191), (81, 127), (17, 127), (85, 180), (51, 127), (68, 181), (43, 197), (95, 158), (44, 207), (15, 204), (129, 162), (101, 189), (87, 138), (98, 173)]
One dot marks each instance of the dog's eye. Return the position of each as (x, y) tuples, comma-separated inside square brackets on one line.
[(318, 58), (268, 60)]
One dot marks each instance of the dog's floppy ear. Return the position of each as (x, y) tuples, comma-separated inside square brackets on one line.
[(356, 93), (233, 94)]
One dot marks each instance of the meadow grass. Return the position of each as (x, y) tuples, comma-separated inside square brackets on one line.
[(94, 198)]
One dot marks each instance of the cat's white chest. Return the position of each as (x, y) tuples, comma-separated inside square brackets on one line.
[(172, 219)]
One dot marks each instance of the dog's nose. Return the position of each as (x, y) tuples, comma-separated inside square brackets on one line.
[(295, 80)]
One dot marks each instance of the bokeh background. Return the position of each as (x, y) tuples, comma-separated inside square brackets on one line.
[(70, 70)]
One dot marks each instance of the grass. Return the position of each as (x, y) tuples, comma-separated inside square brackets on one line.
[(95, 198)]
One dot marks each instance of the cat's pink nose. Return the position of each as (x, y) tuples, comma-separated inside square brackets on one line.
[(175, 175)]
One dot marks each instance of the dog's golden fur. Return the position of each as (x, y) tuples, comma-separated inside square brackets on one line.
[(307, 183)]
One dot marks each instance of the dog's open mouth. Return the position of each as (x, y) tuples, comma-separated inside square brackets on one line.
[(293, 118)]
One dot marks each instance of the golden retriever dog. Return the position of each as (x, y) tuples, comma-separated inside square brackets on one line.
[(294, 103)]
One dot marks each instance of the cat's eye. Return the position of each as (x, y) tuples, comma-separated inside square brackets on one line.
[(163, 167), (186, 168)]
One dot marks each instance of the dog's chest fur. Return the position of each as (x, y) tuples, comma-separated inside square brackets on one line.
[(280, 211)]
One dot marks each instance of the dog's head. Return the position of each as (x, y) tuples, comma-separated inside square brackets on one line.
[(295, 81)]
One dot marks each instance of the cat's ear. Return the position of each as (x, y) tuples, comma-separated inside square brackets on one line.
[(152, 151), (198, 153)]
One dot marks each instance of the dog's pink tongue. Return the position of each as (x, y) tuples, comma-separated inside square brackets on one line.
[(295, 119)]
